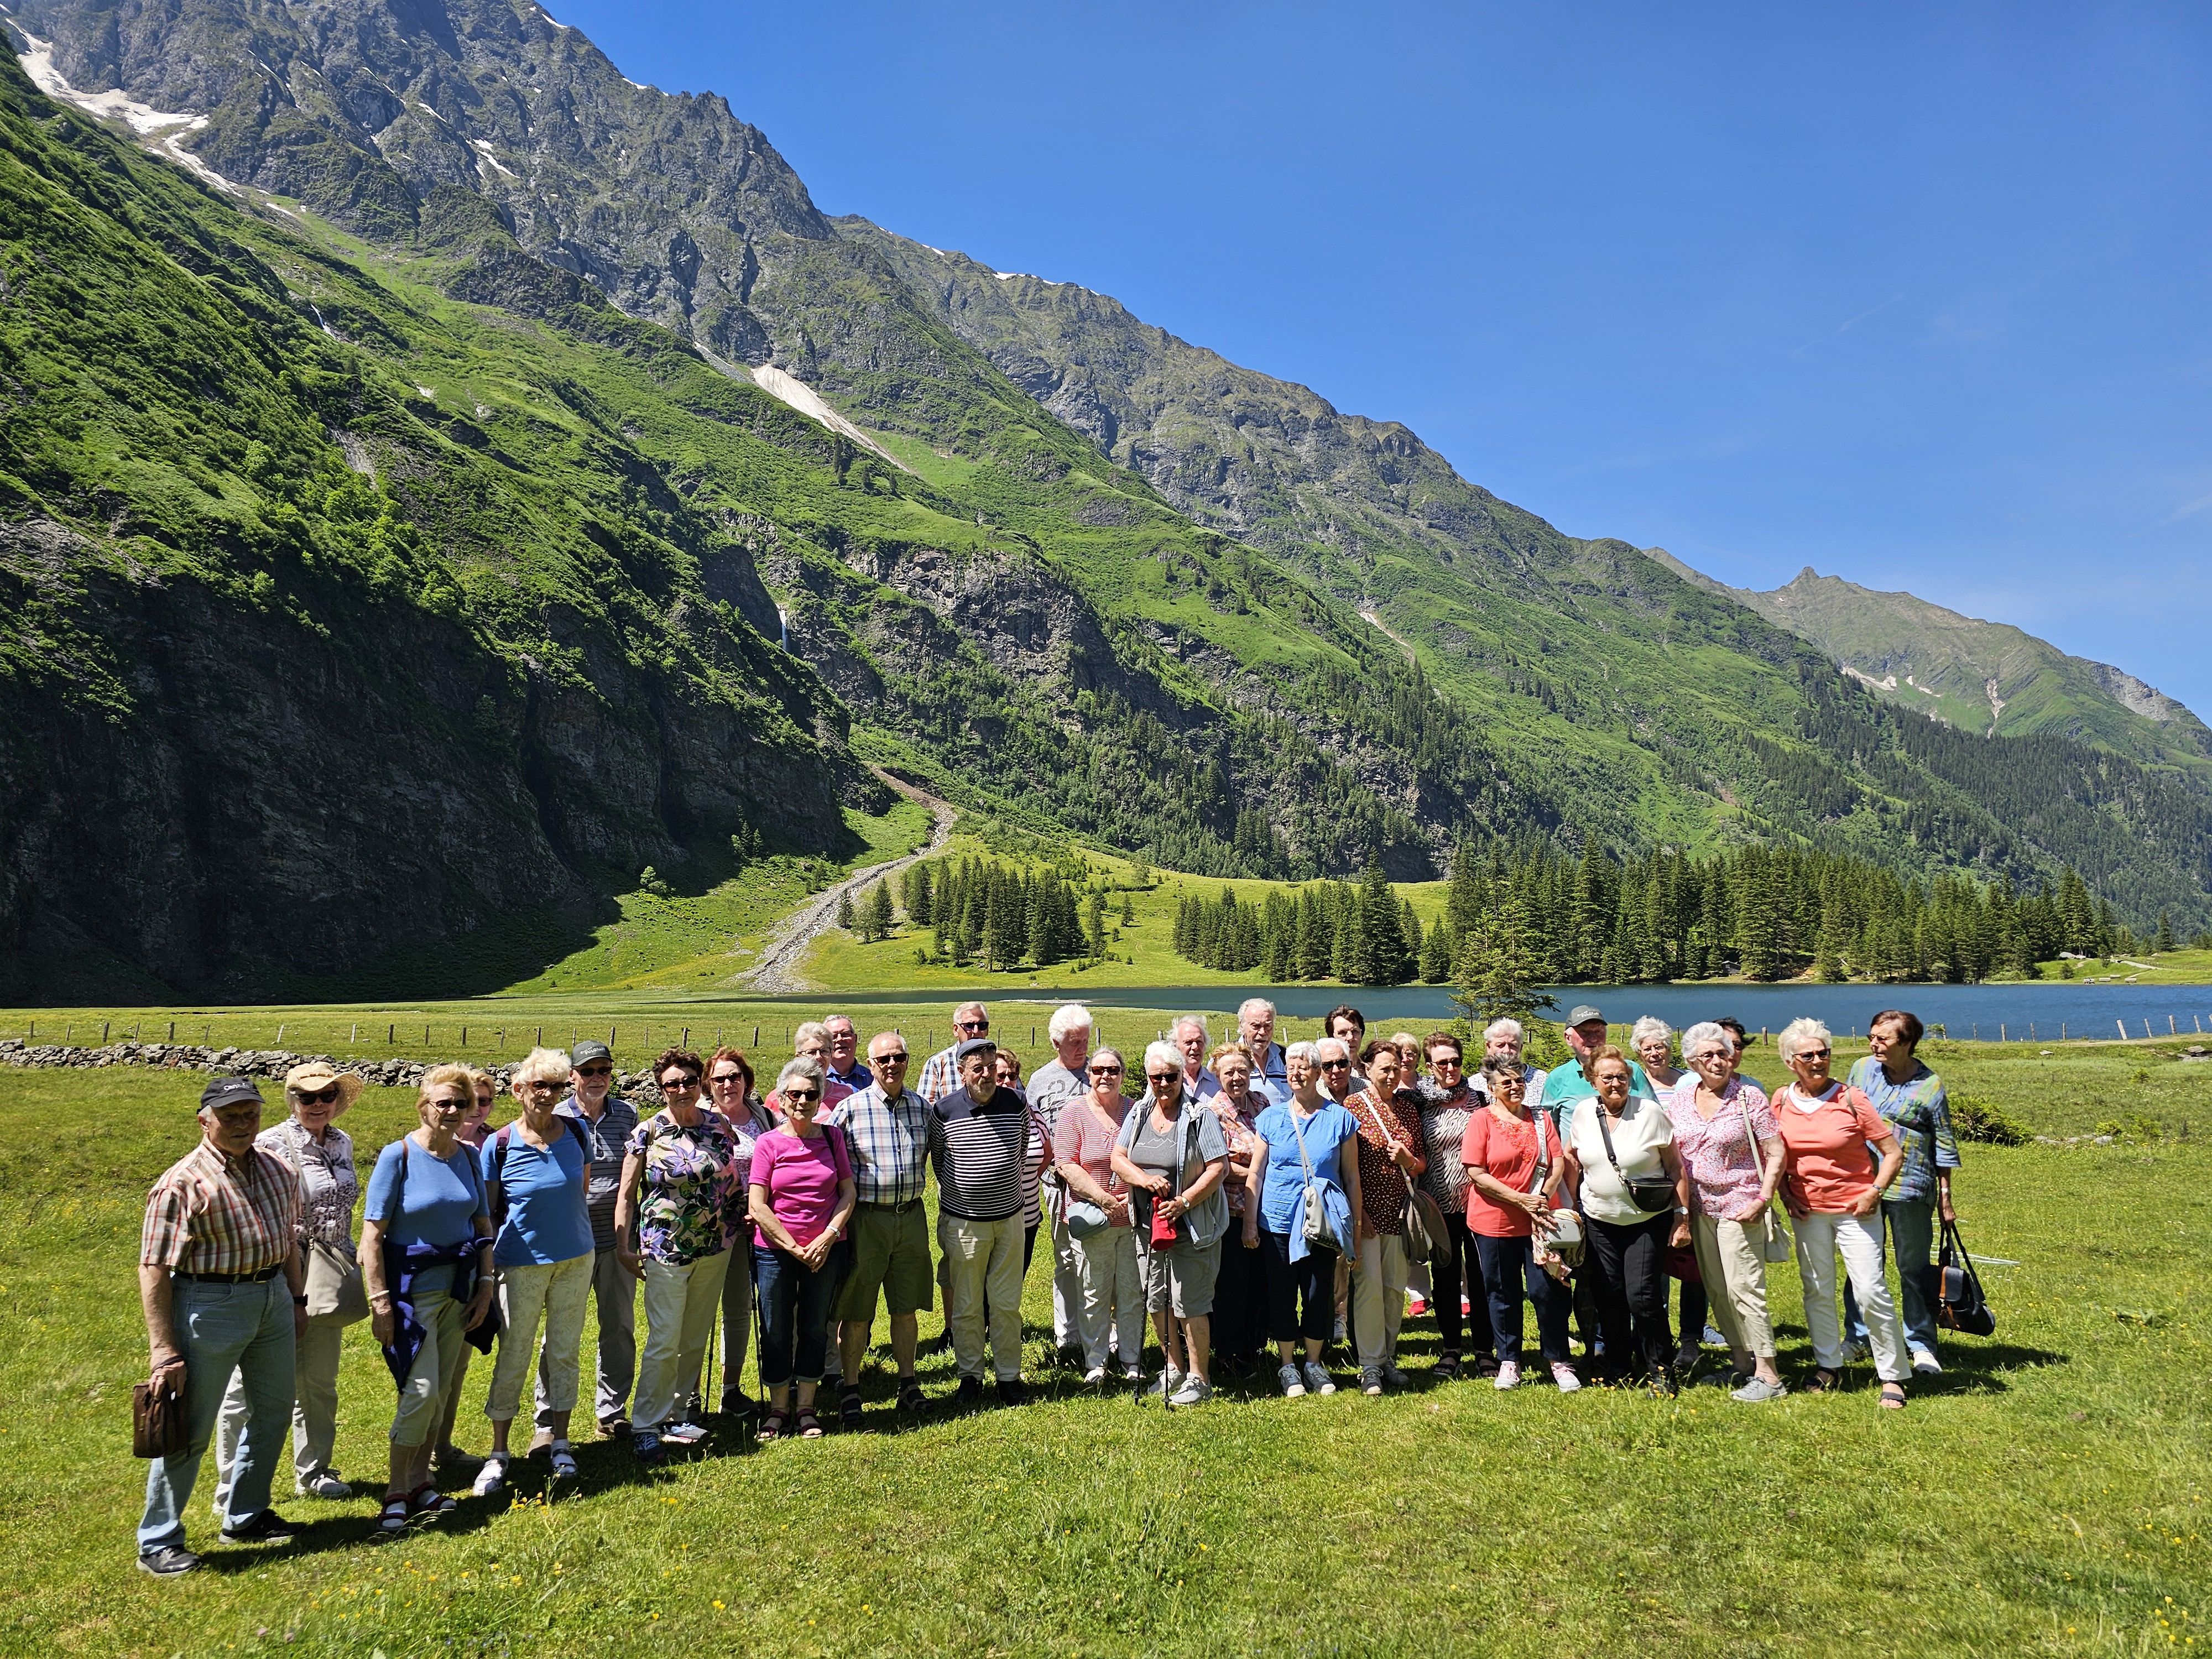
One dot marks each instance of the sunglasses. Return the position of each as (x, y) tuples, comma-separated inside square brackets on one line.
[(724, 1080), (1443, 1061), (896, 1057), (793, 1095), (1811, 1053), (975, 1025), (686, 1085), (541, 1086), (1105, 1071), (595, 1071), (1334, 1065), (1163, 1077), (316, 1097), (450, 1104)]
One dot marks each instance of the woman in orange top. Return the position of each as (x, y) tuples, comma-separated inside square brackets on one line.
[(1834, 1187)]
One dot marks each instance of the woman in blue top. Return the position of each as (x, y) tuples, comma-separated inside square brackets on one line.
[(539, 1171), (425, 1244), (1310, 1131), (1906, 1093)]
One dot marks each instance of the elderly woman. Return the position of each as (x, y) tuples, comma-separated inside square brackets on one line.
[(681, 1183), (322, 1156), (1106, 1252), (1653, 1039), (475, 1129), (1240, 1295), (1725, 1134), (1448, 1103), (1309, 1133), (1834, 1134), (1393, 1154), (426, 1249), (732, 1091), (1510, 1161), (1172, 1156), (1621, 1159), (800, 1199), (538, 1171), (1911, 1099)]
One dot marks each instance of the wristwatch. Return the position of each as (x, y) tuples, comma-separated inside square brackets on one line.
[(299, 1301)]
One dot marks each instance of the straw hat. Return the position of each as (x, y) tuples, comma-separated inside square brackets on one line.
[(319, 1074)]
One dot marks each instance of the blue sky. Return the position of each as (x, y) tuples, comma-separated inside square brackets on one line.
[(1915, 294)]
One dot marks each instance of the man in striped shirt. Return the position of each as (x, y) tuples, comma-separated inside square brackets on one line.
[(220, 1276), (978, 1141)]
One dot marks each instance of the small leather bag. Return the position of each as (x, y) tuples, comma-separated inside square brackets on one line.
[(1652, 1197), (158, 1428), (1954, 1289)]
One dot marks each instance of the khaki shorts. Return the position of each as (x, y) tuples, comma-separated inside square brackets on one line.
[(891, 1254), (1180, 1279)]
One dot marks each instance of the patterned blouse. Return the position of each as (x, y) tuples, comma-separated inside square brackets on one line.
[(1444, 1118), (1723, 1178), (1383, 1184), (328, 1181), (694, 1187), (1238, 1129)]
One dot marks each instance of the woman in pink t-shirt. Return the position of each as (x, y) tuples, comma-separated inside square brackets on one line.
[(1834, 1185), (1112, 1292), (800, 1199)]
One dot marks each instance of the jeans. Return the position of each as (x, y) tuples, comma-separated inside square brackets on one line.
[(983, 1292), (1378, 1299), (1509, 1271), (795, 1305), (615, 1294), (1627, 1267), (555, 1292), (1302, 1294), (1110, 1297), (1911, 1223), (680, 1299), (1696, 1309), (222, 1328), (314, 1410), (1820, 1238), (1456, 1272)]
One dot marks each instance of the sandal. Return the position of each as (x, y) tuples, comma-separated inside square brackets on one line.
[(1892, 1396), (394, 1521), (1825, 1382), (563, 1457), (849, 1409), (428, 1500), (771, 1426), (810, 1426), (1447, 1366), (910, 1396)]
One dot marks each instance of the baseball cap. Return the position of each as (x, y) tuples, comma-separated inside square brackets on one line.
[(228, 1091), (1582, 1013), (588, 1050)]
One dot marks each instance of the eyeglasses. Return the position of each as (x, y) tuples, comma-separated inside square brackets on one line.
[(681, 1086), (1163, 1077), (316, 1097), (975, 1025), (1443, 1061), (792, 1095), (543, 1086), (1105, 1071), (896, 1057), (452, 1103), (595, 1071), (724, 1079), (1811, 1053), (1334, 1065)]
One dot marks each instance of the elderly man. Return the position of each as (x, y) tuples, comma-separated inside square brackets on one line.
[(886, 1128), (811, 1040), (224, 1290), (941, 1074), (1052, 1086), (1191, 1041), (842, 1062), (978, 1141), (1256, 1024), (1564, 1086), (1505, 1037), (608, 1120), (1347, 1025)]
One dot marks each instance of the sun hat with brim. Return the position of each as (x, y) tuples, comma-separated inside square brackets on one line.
[(230, 1091), (319, 1074)]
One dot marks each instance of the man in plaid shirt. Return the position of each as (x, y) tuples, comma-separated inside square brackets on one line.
[(219, 1275), (939, 1076), (886, 1126)]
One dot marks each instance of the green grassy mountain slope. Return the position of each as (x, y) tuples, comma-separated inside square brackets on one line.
[(1978, 676)]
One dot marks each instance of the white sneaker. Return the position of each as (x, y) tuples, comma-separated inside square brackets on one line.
[(1174, 1379), (1508, 1375), (1564, 1376), (683, 1434), (1294, 1386), (1095, 1376), (1926, 1363), (1195, 1391), (1317, 1380), (562, 1457), (491, 1477)]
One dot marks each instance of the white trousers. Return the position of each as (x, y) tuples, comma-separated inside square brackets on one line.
[(1820, 1238)]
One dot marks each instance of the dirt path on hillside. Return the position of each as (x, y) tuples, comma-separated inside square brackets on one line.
[(777, 970), (1403, 645)]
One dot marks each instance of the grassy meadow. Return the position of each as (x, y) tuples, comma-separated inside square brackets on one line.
[(2045, 1496)]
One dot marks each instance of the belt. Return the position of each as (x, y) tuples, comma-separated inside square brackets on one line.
[(899, 1208), (235, 1278)]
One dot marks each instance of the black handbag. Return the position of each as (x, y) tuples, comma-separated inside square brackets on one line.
[(1652, 1197), (1952, 1287)]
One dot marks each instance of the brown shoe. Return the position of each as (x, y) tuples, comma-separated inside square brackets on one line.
[(613, 1428), (540, 1441)]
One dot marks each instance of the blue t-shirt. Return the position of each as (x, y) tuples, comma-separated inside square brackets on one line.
[(547, 1218), (1324, 1133), (441, 1200)]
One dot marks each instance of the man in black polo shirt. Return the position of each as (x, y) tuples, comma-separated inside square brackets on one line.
[(979, 1136)]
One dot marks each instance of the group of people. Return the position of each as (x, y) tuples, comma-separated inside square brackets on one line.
[(1250, 1202)]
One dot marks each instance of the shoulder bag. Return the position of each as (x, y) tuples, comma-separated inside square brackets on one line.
[(334, 1288), (1954, 1289), (1769, 1234), (1565, 1241), (1421, 1219), (1318, 1229), (1653, 1197)]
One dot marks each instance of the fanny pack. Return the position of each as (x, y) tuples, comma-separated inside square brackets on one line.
[(1653, 1197)]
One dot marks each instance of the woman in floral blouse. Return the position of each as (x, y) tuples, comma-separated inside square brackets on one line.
[(683, 1187)]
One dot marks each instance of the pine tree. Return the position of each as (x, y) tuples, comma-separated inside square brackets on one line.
[(879, 912), (920, 909), (845, 911), (2165, 939), (1497, 972)]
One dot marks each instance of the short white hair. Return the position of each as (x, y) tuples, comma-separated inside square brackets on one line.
[(1498, 1028), (808, 1030), (827, 1020), (1302, 1050), (1187, 1021), (977, 1006), (1162, 1053), (1703, 1032), (800, 1066), (1647, 1028), (1067, 1020), (1252, 1006), (1320, 1043), (1801, 1034)]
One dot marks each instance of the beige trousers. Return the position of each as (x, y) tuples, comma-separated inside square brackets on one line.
[(1735, 1283)]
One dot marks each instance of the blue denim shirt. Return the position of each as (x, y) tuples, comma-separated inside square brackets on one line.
[(1917, 1109)]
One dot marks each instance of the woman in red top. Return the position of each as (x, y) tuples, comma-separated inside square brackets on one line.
[(1833, 1187), (1513, 1166), (1392, 1154)]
